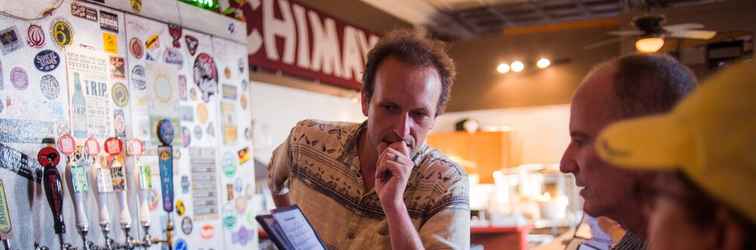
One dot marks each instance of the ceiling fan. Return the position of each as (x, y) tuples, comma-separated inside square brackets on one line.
[(651, 33)]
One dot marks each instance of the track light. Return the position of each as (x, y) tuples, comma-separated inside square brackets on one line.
[(543, 63), (517, 66), (503, 68)]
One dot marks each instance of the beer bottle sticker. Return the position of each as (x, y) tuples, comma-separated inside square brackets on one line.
[(146, 177), (79, 178), (5, 220), (104, 181), (118, 175)]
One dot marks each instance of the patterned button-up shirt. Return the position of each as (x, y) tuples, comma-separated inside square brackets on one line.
[(318, 166)]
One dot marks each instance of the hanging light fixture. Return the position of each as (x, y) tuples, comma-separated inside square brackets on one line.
[(650, 44)]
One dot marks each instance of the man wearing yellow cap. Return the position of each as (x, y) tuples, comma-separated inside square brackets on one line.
[(707, 148), (626, 87)]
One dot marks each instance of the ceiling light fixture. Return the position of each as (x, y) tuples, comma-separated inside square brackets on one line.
[(503, 68), (517, 66), (649, 44), (543, 63)]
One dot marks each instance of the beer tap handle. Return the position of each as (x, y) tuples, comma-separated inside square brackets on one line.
[(49, 158)]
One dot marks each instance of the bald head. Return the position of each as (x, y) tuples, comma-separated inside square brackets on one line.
[(639, 84)]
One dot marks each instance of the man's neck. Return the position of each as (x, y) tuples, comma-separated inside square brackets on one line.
[(633, 219)]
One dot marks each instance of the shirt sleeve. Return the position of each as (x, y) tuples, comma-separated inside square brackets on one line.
[(449, 227), (278, 168)]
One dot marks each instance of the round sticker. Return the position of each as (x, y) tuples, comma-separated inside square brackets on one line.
[(165, 131), (134, 147), (139, 77), (113, 146), (186, 136), (202, 114), (120, 94), (211, 129), (181, 243), (47, 60), (243, 102), (197, 132), (93, 147), (182, 87), (229, 221), (229, 164), (244, 84), (35, 36), (49, 87), (248, 133), (136, 48), (227, 72), (62, 33), (206, 76), (67, 144), (240, 204), (48, 157), (180, 207), (19, 78), (187, 226), (208, 231)]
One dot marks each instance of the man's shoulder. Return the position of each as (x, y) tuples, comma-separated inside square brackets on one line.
[(437, 169), (313, 131)]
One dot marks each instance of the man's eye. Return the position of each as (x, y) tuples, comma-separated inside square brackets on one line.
[(391, 108)]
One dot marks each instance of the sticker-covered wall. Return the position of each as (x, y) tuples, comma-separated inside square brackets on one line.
[(150, 125)]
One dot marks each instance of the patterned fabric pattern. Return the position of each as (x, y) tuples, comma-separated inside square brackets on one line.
[(318, 167), (630, 242)]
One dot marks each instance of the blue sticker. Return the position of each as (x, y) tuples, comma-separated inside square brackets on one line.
[(47, 60), (182, 245)]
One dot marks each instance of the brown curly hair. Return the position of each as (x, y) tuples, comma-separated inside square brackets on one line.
[(413, 48)]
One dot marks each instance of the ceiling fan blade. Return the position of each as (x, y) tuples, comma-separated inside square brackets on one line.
[(626, 32), (693, 34), (683, 26), (603, 43)]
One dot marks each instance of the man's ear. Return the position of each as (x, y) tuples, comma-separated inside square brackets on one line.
[(365, 101), (731, 231)]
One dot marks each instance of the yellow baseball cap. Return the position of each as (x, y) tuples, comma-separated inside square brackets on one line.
[(710, 136)]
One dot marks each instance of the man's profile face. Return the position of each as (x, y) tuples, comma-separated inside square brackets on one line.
[(606, 188), (403, 105)]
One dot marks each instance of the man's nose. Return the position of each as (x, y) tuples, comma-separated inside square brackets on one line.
[(568, 164), (403, 125)]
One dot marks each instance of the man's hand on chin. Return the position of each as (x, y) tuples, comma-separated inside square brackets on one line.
[(391, 175)]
